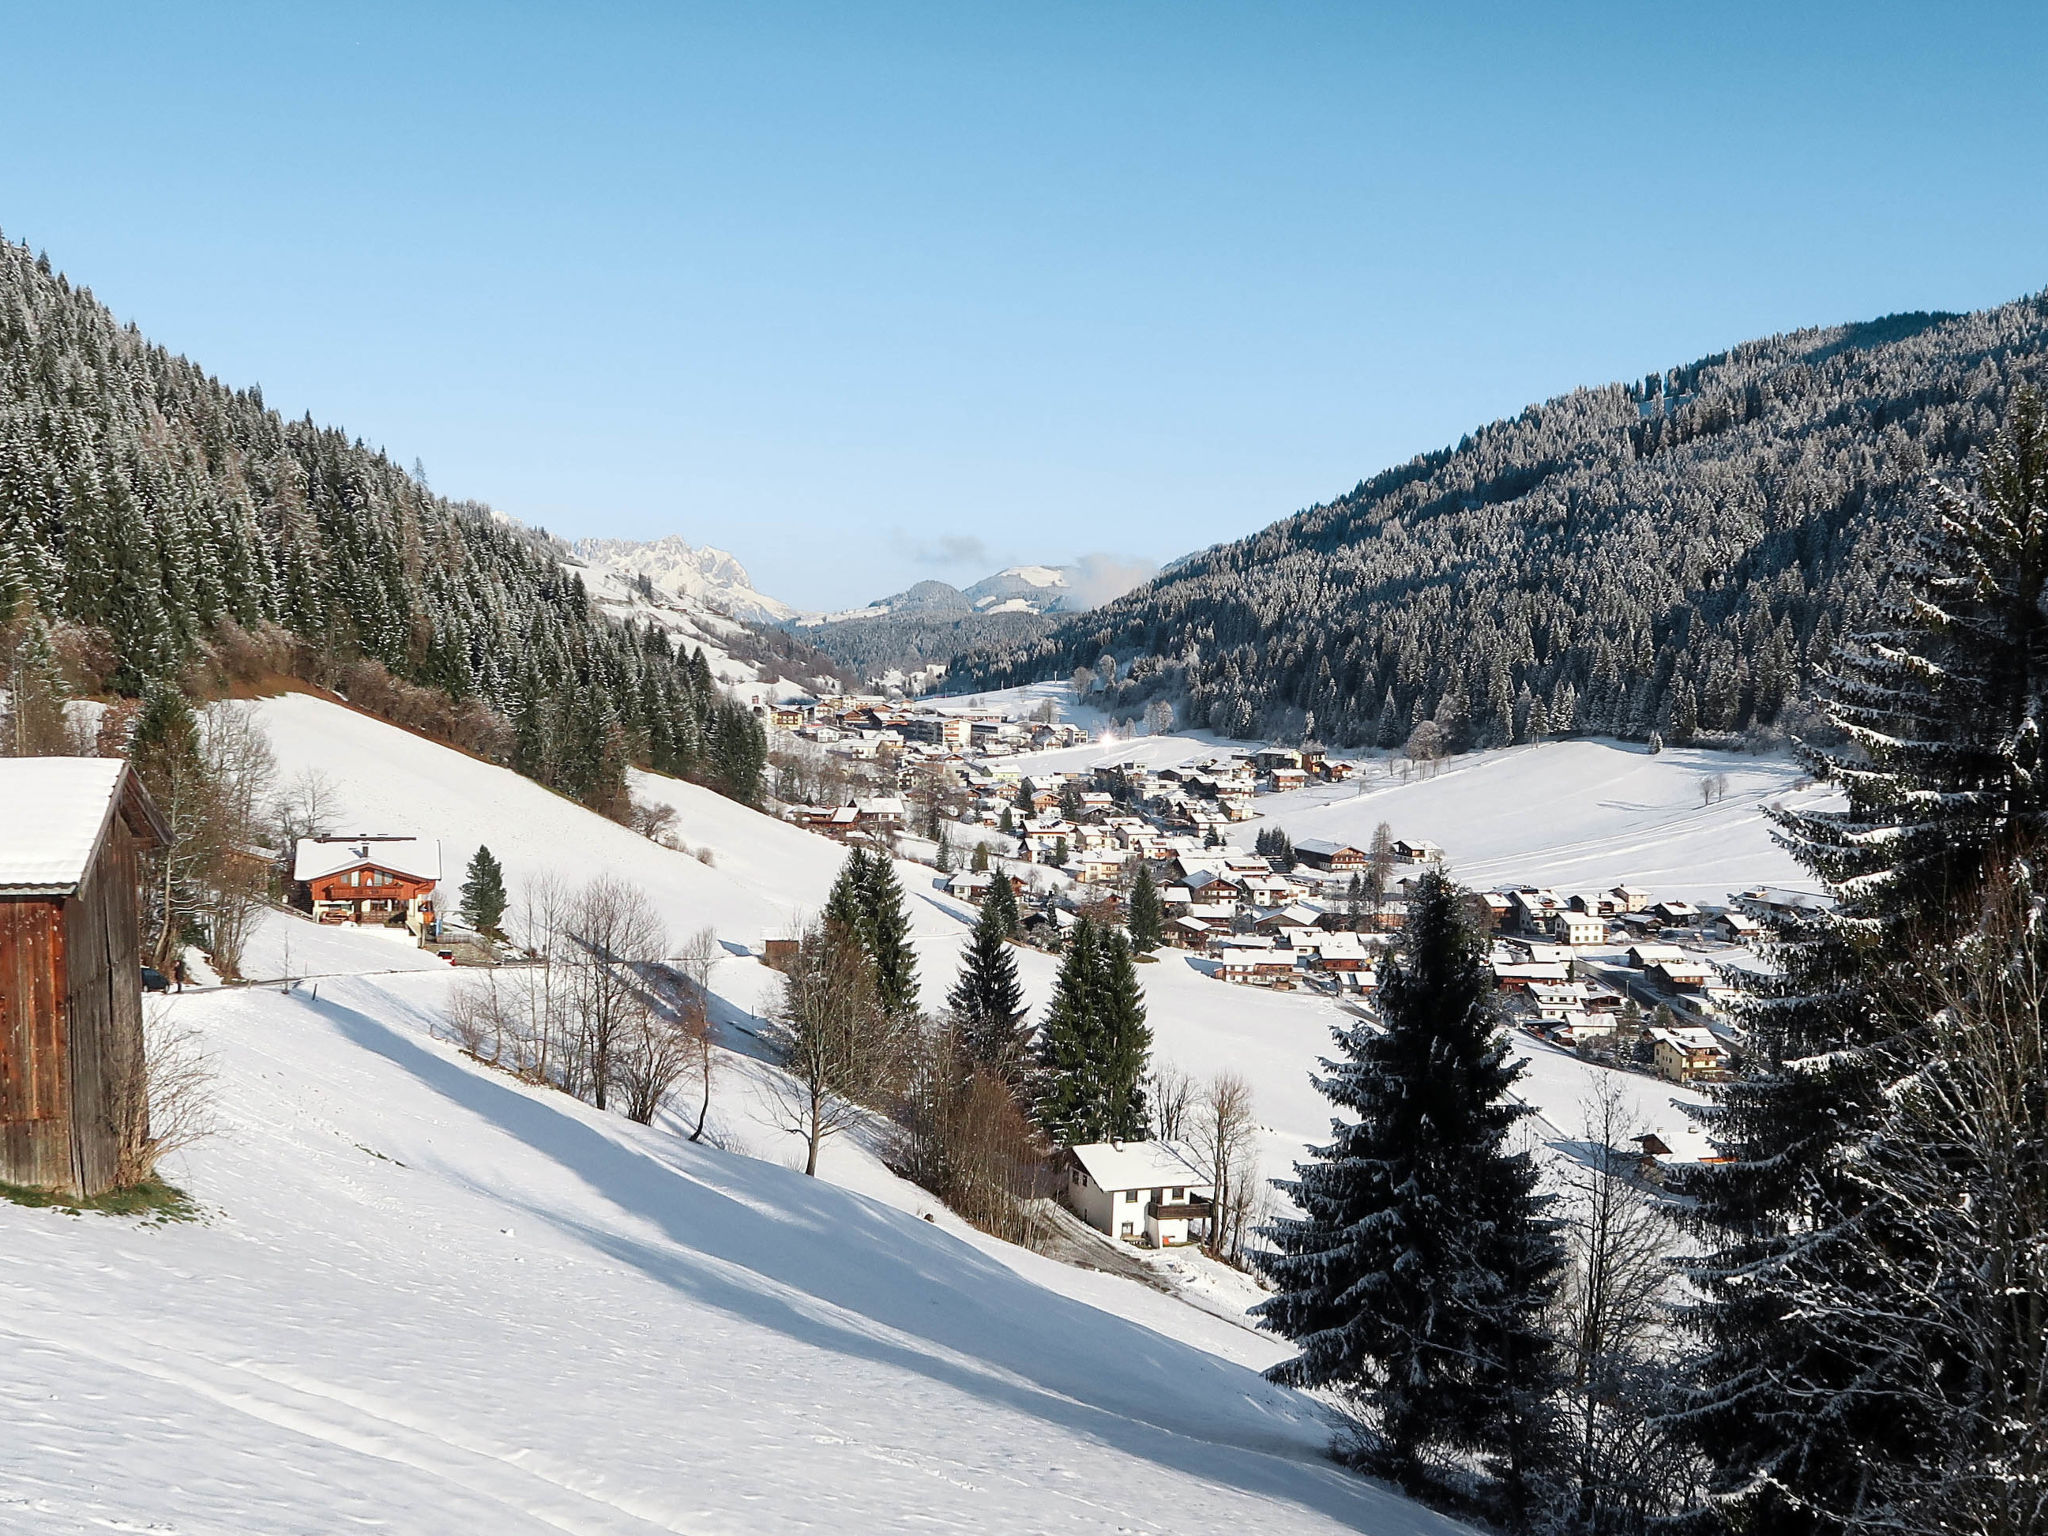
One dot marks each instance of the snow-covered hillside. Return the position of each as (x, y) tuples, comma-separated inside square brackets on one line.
[(425, 1298), (430, 1296)]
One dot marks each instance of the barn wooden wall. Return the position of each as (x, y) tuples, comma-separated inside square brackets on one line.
[(103, 974), (71, 1029), (35, 1103)]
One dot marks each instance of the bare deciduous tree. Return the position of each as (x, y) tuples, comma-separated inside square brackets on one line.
[(163, 1101), (1169, 1095), (1226, 1139), (695, 961), (612, 931), (1609, 1319), (835, 1037)]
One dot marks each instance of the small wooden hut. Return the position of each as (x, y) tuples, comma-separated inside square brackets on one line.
[(72, 845)]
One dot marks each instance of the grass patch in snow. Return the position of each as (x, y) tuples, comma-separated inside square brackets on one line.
[(152, 1199)]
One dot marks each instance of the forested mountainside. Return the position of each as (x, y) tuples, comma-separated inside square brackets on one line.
[(159, 519), (908, 641), (1667, 556)]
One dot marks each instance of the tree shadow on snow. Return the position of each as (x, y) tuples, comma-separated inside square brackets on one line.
[(765, 1244)]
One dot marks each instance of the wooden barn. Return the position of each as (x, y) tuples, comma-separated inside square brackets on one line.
[(71, 856)]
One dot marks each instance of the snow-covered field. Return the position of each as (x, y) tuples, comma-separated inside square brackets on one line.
[(426, 1298)]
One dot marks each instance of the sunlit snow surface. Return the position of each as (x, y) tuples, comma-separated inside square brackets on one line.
[(426, 1298)]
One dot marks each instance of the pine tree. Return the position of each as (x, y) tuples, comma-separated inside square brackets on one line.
[(1068, 1099), (166, 755), (1126, 1038), (979, 860), (483, 892), (1147, 914), (987, 1002), (32, 720), (1413, 1281), (846, 904), (889, 947), (1002, 899), (1944, 787)]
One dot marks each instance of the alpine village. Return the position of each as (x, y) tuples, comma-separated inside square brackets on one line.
[(1511, 999)]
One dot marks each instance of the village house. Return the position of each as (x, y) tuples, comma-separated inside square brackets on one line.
[(1734, 927), (371, 878), (1687, 1055), (71, 1048), (1417, 851), (1578, 928), (1321, 853), (1147, 1192)]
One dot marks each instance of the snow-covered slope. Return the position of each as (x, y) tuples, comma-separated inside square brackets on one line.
[(708, 577), (430, 1297), (425, 1298)]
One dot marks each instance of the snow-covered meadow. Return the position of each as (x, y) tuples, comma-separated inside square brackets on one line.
[(428, 1298)]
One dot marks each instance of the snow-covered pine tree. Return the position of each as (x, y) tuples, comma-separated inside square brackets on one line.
[(1943, 781), (987, 1001), (1414, 1280)]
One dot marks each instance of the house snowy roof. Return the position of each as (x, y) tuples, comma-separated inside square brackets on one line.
[(1137, 1165), (58, 808), (319, 857)]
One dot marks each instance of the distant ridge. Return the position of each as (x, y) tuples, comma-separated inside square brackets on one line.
[(1669, 556)]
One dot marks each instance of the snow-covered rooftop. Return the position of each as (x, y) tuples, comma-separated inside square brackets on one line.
[(1137, 1165), (56, 810), (319, 857)]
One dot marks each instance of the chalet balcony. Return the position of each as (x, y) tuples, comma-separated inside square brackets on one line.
[(1194, 1208)]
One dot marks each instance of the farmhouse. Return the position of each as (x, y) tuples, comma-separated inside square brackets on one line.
[(371, 879), (1687, 1055), (1320, 853), (71, 1050), (1147, 1192)]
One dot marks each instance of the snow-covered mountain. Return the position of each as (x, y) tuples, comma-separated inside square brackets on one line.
[(1014, 589), (704, 599), (1025, 589), (699, 573)]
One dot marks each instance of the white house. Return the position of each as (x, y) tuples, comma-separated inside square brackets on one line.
[(1147, 1192), (1577, 928)]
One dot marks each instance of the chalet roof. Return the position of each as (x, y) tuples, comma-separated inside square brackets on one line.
[(319, 857), (1325, 848), (58, 810), (1117, 1166)]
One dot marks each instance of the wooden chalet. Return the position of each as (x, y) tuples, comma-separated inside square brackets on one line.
[(378, 879), (72, 846)]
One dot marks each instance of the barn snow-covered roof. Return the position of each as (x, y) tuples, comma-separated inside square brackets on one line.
[(57, 809)]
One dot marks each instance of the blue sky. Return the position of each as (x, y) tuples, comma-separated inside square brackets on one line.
[(873, 293)]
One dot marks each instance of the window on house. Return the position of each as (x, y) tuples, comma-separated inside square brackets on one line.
[(1130, 1197), (1129, 1228), (1180, 1194)]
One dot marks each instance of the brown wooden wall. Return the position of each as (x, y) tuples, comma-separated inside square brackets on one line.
[(35, 1099), (71, 1100), (103, 972)]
